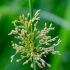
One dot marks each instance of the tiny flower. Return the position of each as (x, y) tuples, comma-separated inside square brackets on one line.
[(18, 60), (32, 65), (48, 65), (12, 57), (25, 62)]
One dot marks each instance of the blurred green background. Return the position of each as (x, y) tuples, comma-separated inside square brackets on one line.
[(56, 12)]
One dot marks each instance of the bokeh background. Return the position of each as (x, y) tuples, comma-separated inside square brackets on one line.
[(56, 12)]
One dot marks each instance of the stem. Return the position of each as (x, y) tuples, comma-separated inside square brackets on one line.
[(32, 27), (34, 63), (31, 14)]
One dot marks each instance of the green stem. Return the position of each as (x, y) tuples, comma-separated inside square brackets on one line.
[(34, 63), (31, 14), (32, 27)]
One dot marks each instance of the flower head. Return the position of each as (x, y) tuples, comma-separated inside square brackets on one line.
[(27, 41)]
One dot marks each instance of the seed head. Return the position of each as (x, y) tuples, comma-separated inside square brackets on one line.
[(27, 39)]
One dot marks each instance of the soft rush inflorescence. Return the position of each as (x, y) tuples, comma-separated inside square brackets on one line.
[(27, 41)]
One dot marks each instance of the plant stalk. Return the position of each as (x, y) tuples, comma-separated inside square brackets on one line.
[(32, 27), (31, 14)]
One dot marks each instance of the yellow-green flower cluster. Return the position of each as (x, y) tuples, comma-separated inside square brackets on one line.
[(27, 41)]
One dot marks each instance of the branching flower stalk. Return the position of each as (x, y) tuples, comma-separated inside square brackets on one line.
[(28, 34), (27, 47)]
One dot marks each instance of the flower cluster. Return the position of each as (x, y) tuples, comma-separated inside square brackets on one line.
[(27, 41)]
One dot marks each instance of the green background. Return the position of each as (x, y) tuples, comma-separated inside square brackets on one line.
[(56, 12)]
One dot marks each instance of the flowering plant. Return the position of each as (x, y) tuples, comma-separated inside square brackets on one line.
[(27, 41)]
